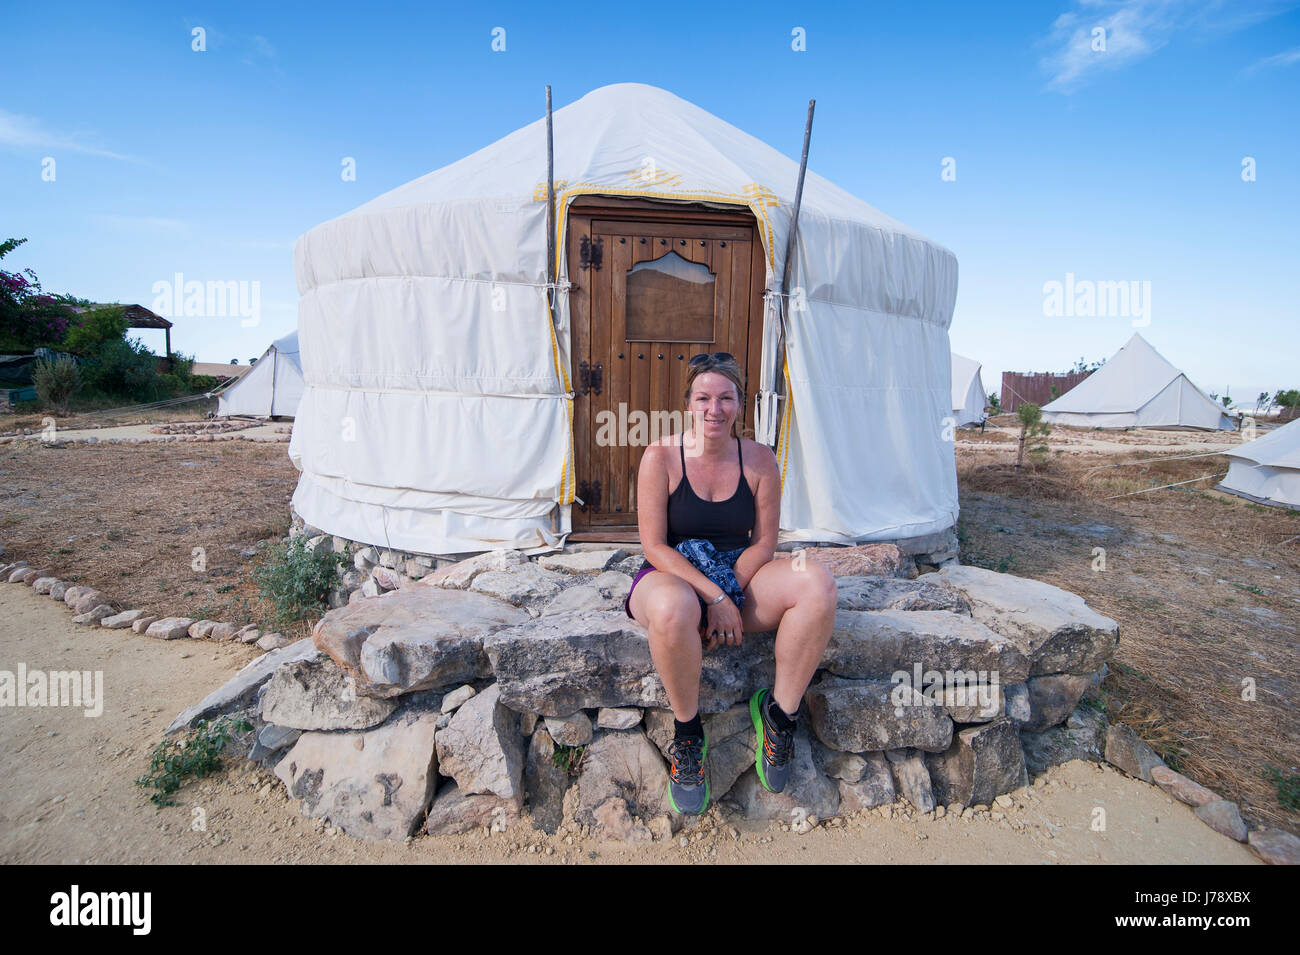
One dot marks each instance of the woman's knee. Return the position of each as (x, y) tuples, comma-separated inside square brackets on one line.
[(817, 588), (673, 610)]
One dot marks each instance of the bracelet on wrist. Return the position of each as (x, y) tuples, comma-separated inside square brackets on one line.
[(718, 599)]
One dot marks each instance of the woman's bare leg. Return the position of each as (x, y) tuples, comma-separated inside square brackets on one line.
[(797, 597), (668, 607)]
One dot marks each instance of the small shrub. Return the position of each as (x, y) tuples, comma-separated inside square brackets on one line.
[(568, 758), (296, 581), (171, 763), (56, 381), (1288, 787)]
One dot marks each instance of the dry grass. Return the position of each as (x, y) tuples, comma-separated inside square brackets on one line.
[(1203, 585), (126, 519)]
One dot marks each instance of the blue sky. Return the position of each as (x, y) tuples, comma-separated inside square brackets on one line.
[(1122, 164)]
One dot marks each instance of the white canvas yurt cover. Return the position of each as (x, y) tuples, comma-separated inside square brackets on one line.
[(1267, 469), (1137, 388), (273, 387), (438, 411), (968, 396)]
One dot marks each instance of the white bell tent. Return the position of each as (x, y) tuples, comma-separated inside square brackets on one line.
[(272, 388), (438, 415), (968, 397), (1137, 388), (1267, 469)]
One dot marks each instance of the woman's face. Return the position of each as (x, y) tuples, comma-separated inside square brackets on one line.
[(714, 404)]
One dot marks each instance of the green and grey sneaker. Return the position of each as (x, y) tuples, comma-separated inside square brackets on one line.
[(688, 790), (773, 747)]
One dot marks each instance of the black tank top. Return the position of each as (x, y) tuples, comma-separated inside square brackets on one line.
[(725, 524)]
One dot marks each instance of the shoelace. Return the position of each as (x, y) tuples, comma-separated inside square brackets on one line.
[(779, 743), (688, 760)]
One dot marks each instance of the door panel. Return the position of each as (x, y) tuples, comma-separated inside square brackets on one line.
[(640, 380)]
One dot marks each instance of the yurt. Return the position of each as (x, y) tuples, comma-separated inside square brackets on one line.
[(968, 395), (272, 388), (1267, 470), (448, 409), (1137, 388)]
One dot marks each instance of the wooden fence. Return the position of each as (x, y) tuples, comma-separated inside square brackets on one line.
[(1018, 387)]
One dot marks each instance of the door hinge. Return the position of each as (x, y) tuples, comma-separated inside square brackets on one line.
[(590, 378), (588, 496), (591, 253)]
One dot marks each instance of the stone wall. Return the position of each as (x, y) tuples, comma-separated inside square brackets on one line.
[(373, 569), (502, 688)]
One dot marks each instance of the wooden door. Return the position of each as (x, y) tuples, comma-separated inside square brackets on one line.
[(653, 287)]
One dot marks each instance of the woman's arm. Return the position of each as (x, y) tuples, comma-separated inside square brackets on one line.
[(652, 522), (767, 516)]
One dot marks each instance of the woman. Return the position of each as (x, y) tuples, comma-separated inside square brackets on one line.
[(710, 484)]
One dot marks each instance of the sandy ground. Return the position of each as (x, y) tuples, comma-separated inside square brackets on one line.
[(269, 431), (67, 793)]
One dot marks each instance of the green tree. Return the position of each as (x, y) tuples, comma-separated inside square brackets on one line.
[(56, 381), (29, 317), (1031, 426), (91, 330)]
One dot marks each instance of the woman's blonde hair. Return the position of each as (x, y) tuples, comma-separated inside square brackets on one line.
[(723, 367)]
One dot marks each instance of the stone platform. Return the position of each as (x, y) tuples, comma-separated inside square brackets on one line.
[(499, 688)]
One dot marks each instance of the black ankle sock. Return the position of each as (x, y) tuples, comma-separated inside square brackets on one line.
[(692, 727), (777, 715)]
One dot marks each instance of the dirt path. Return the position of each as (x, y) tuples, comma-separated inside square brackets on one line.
[(67, 792)]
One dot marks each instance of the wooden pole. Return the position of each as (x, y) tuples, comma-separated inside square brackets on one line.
[(784, 301), (550, 212)]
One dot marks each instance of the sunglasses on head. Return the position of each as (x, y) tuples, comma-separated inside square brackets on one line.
[(717, 356)]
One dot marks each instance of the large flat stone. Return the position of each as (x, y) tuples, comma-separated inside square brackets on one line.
[(582, 562), (317, 694), (876, 644), (622, 764), (527, 585), (243, 686), (983, 763), (481, 747), (858, 716), (454, 812), (415, 638), (894, 593), (372, 784), (460, 575), (565, 662), (1055, 629)]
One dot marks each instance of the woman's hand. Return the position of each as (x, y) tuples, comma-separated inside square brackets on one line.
[(723, 625)]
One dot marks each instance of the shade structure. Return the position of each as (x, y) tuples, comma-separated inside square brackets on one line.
[(272, 388), (438, 411), (1137, 388), (1267, 469), (968, 395)]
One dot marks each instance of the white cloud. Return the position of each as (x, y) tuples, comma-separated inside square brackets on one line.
[(27, 132), (1136, 29), (1283, 59)]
